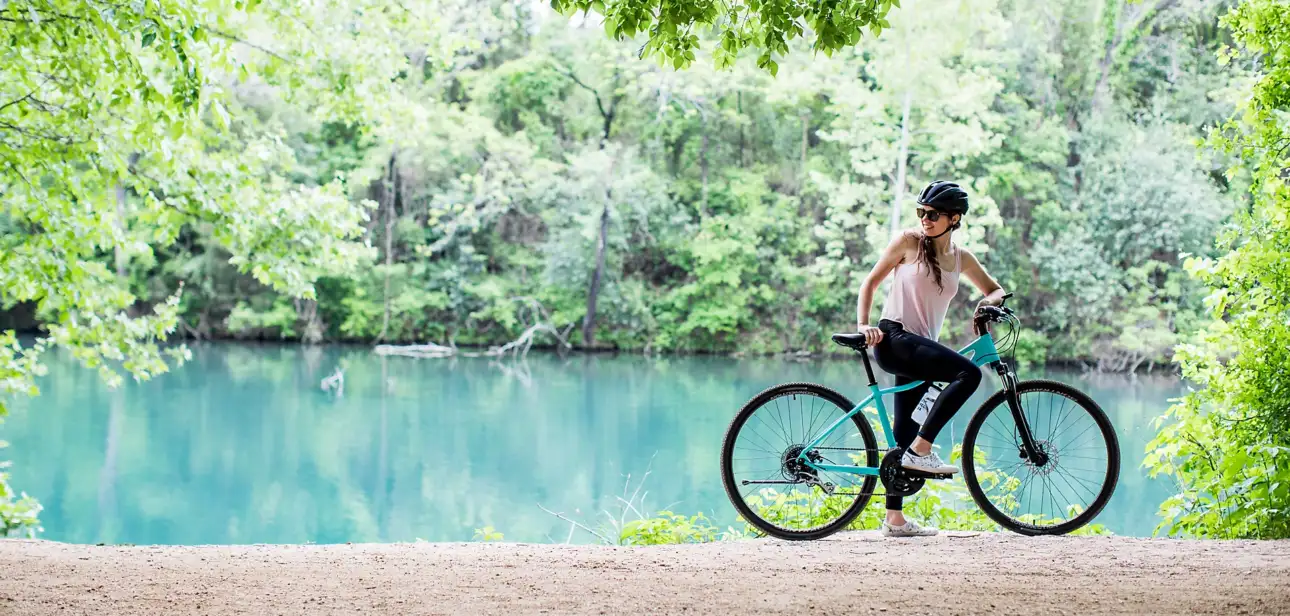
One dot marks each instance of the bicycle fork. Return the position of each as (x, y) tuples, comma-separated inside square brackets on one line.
[(1030, 448)]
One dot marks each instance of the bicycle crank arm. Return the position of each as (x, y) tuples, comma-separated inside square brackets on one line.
[(913, 473)]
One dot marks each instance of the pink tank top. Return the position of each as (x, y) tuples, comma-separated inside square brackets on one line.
[(914, 300)]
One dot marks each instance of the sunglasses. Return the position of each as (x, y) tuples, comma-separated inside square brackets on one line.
[(930, 215)]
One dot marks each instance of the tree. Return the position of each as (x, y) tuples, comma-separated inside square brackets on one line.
[(921, 107), (112, 112), (607, 198), (1226, 444), (673, 27)]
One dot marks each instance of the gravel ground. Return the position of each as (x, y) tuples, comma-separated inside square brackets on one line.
[(850, 573)]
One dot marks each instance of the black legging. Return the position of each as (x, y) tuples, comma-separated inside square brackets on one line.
[(914, 358)]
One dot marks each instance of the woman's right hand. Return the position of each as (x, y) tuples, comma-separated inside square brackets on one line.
[(872, 335)]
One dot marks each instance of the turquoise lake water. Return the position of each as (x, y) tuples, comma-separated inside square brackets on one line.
[(242, 445)]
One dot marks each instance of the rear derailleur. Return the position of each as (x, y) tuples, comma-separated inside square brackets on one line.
[(794, 469)]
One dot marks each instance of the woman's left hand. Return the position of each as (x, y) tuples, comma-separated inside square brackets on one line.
[(987, 302)]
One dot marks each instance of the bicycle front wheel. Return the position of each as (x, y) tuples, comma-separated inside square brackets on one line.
[(1063, 491), (765, 478)]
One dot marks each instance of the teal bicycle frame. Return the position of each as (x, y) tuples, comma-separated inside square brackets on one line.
[(982, 351)]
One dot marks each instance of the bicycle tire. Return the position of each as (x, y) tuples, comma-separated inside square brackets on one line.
[(727, 453), (1100, 419)]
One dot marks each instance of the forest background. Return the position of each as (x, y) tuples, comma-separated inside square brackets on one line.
[(462, 172)]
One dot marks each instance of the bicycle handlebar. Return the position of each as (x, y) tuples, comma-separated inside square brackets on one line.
[(991, 314)]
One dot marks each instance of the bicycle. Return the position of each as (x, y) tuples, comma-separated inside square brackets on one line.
[(1030, 441)]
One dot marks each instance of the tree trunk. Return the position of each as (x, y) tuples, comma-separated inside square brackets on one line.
[(608, 115), (898, 190), (391, 189), (677, 149), (739, 106), (606, 128), (118, 254), (805, 141), (593, 292), (703, 163), (589, 322)]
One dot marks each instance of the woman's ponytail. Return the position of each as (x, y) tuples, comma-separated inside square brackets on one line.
[(927, 256)]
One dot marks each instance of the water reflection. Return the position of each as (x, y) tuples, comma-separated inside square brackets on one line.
[(243, 446)]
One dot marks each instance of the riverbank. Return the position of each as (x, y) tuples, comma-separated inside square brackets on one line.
[(851, 573)]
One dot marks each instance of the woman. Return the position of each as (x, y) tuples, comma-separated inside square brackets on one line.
[(927, 265)]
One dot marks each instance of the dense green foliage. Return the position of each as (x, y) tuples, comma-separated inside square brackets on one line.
[(547, 175), (672, 29), (126, 136), (460, 172), (1228, 443)]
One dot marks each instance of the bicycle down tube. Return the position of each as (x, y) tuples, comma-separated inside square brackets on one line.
[(981, 351)]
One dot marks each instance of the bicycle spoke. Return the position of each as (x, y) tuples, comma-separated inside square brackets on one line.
[(769, 448), (794, 420), (1076, 459), (1058, 491), (787, 433), (810, 431), (761, 449), (1064, 477), (778, 436), (1006, 438)]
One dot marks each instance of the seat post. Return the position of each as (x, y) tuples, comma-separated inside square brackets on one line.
[(868, 370)]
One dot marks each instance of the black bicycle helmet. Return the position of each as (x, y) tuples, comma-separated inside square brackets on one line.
[(944, 196)]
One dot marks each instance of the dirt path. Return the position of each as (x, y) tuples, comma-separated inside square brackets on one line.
[(854, 573)]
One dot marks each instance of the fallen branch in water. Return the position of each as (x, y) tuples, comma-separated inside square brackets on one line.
[(335, 381), (520, 346), (517, 347), (421, 351), (519, 370)]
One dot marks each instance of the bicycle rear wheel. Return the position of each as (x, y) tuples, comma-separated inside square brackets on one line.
[(772, 490), (1072, 485)]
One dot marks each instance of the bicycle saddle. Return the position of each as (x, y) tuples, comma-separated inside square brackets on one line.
[(851, 341)]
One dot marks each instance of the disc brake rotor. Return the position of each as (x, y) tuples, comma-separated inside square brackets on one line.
[(1049, 465)]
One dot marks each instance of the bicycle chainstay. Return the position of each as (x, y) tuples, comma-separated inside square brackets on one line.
[(895, 478)]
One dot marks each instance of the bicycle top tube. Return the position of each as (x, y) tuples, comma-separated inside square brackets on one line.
[(981, 351)]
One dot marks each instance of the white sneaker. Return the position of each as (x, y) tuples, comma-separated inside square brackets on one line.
[(910, 529), (930, 463)]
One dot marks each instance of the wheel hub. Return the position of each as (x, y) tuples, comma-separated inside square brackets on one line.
[(795, 469), (1046, 462)]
